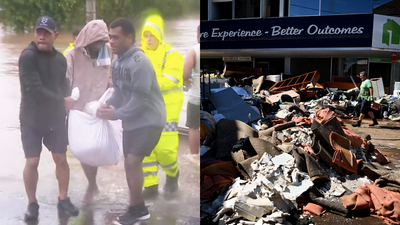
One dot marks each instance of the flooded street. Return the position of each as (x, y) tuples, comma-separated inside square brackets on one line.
[(113, 197)]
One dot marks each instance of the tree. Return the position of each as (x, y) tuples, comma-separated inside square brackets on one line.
[(21, 15)]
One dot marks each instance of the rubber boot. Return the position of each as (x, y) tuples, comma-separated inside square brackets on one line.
[(374, 122), (358, 124), (150, 192), (171, 184)]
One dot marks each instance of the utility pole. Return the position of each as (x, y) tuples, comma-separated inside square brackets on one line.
[(90, 10)]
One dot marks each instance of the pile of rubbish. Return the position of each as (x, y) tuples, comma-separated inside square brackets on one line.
[(270, 159), (265, 91)]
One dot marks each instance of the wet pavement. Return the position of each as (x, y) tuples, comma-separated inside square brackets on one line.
[(113, 197)]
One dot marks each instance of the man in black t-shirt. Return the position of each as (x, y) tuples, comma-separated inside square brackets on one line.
[(44, 100)]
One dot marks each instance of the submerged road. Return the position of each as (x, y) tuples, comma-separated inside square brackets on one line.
[(113, 197)]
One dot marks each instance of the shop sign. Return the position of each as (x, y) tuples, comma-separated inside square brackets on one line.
[(288, 32), (393, 57), (386, 60), (386, 32), (237, 59)]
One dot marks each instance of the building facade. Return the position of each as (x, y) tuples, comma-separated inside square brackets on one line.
[(337, 38)]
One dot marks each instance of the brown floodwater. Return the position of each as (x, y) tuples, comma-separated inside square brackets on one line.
[(112, 200)]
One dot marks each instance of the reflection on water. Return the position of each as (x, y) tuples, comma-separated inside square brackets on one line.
[(181, 35)]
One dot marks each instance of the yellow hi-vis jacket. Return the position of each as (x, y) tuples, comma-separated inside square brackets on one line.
[(70, 47), (168, 65)]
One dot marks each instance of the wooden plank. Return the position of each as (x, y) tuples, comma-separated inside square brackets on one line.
[(296, 82)]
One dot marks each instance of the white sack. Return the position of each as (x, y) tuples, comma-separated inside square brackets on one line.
[(94, 141)]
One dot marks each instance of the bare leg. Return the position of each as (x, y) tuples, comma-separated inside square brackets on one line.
[(31, 177), (361, 117), (91, 173), (194, 140), (62, 174), (371, 114), (134, 178)]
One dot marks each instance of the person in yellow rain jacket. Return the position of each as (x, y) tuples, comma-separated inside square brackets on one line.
[(168, 65), (71, 45)]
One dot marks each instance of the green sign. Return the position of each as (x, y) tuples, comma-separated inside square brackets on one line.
[(381, 60), (394, 27)]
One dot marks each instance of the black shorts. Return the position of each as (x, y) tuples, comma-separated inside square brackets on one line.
[(193, 116), (365, 106), (140, 142), (54, 139)]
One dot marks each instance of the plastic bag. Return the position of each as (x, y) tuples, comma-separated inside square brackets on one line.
[(94, 141)]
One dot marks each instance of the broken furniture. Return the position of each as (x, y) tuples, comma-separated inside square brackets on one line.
[(300, 84)]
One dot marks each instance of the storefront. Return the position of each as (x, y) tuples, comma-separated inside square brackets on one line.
[(335, 45)]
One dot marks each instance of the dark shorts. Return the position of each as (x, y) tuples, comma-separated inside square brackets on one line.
[(140, 142), (193, 116), (33, 137), (365, 106)]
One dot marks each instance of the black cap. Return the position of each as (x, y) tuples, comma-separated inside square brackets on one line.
[(46, 23)]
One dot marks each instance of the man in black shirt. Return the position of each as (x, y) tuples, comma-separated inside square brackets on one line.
[(44, 100)]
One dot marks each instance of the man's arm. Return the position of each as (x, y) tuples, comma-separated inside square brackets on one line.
[(371, 92), (30, 79), (190, 63), (116, 98), (172, 74), (141, 81)]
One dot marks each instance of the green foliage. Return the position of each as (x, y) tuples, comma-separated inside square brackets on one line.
[(21, 15)]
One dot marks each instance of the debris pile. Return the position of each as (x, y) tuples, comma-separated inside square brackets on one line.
[(290, 158)]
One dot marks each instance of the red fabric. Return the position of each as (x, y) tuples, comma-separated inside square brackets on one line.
[(355, 139), (277, 122), (313, 208), (380, 158), (216, 176), (309, 150), (308, 207), (382, 202), (324, 114), (303, 120)]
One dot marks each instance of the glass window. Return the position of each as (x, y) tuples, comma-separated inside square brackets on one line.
[(329, 7), (212, 64), (204, 10), (351, 66), (378, 3), (247, 9), (222, 10), (304, 7), (286, 10), (270, 66), (271, 8), (335, 7), (299, 66)]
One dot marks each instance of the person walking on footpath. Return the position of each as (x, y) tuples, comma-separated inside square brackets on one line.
[(89, 68), (168, 65), (71, 45), (138, 102), (44, 100), (365, 96), (192, 64)]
